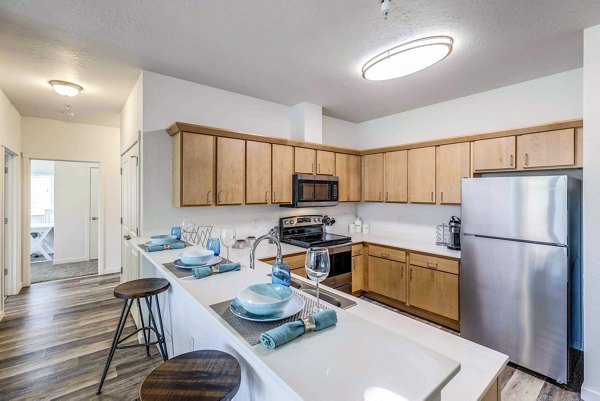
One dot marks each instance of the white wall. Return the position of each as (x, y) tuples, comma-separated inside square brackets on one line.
[(60, 140), (131, 116), (591, 215), (167, 100), (10, 138), (540, 101), (71, 211), (343, 134)]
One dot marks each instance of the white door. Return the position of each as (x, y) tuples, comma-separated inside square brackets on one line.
[(94, 212), (129, 212)]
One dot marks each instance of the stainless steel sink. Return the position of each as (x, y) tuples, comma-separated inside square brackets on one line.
[(324, 295)]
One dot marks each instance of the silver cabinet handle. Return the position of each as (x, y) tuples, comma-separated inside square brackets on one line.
[(385, 255), (208, 196), (319, 167), (432, 196), (401, 271), (312, 168), (526, 159), (432, 265), (442, 196), (511, 160), (274, 196), (410, 274), (219, 198), (266, 196), (386, 196)]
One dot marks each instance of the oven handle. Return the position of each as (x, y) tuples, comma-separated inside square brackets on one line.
[(339, 248)]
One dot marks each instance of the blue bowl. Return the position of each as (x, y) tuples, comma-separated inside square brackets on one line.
[(162, 239), (196, 257), (265, 299)]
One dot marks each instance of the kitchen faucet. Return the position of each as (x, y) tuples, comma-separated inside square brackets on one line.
[(278, 258)]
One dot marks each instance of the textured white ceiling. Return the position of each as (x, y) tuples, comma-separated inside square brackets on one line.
[(283, 51)]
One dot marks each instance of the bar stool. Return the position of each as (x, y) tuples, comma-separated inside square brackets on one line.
[(206, 375), (132, 291)]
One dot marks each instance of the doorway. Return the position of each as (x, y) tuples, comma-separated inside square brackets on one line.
[(8, 278), (64, 219)]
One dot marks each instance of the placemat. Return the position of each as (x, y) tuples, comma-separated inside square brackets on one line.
[(250, 330), (145, 247), (181, 273)]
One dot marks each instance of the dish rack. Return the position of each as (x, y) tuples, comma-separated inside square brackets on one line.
[(442, 235), (198, 235)]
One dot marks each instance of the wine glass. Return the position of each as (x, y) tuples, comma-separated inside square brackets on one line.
[(187, 225), (228, 238), (317, 267)]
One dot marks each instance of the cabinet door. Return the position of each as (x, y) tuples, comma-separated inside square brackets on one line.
[(358, 273), (396, 176), (546, 149), (434, 291), (325, 162), (197, 169), (453, 163), (231, 157), (387, 277), (494, 154), (372, 182), (258, 172), (421, 175), (347, 168), (283, 162), (304, 161)]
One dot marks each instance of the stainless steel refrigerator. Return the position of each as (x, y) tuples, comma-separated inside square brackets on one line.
[(520, 279)]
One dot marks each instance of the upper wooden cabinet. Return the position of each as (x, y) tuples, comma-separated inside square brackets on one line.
[(421, 175), (281, 173), (304, 161), (494, 154), (453, 163), (396, 176), (546, 149), (258, 172), (347, 168), (193, 169), (325, 162), (231, 166), (373, 178)]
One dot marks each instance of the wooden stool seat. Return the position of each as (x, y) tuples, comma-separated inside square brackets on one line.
[(206, 375), (143, 287)]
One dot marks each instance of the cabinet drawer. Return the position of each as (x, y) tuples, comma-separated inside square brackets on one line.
[(387, 253), (357, 249), (432, 262)]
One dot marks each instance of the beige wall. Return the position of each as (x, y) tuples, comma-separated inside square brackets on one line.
[(59, 140)]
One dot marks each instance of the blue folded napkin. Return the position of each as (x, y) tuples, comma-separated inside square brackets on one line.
[(228, 267), (290, 331), (172, 245), (201, 272)]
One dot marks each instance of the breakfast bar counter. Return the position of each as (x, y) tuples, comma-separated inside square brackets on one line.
[(371, 354)]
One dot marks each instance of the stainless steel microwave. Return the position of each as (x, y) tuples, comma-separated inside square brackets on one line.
[(314, 190)]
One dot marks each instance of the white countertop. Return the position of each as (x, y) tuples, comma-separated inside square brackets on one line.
[(370, 345), (405, 243)]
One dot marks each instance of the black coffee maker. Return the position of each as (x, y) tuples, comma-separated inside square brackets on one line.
[(454, 228)]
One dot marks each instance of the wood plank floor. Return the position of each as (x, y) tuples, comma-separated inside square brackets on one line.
[(55, 338), (519, 384)]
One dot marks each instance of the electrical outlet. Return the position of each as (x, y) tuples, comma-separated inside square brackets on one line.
[(254, 223)]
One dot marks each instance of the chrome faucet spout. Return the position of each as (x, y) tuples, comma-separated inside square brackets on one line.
[(258, 240)]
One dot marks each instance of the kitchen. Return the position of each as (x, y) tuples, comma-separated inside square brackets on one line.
[(221, 159)]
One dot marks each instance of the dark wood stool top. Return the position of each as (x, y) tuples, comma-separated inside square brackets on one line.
[(143, 287), (206, 375)]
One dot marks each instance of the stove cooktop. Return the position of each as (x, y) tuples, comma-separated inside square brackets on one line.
[(313, 240)]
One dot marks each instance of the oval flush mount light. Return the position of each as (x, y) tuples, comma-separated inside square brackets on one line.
[(407, 58), (65, 88)]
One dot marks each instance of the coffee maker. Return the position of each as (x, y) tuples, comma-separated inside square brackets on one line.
[(454, 228)]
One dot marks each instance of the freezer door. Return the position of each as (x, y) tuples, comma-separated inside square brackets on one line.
[(524, 208), (514, 299)]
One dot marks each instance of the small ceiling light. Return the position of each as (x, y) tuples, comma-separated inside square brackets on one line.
[(407, 58), (65, 88)]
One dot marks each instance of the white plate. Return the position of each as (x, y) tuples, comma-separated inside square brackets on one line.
[(295, 305), (211, 262)]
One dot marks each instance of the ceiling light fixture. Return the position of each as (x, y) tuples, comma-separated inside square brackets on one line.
[(65, 88), (407, 58)]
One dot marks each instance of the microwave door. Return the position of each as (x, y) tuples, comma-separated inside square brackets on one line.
[(322, 191), (306, 191)]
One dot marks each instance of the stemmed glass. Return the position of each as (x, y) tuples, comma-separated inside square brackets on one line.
[(187, 225), (317, 267), (228, 238)]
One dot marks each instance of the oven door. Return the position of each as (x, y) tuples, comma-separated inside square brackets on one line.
[(315, 190), (340, 274)]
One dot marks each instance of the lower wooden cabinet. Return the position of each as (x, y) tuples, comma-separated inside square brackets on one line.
[(434, 291), (358, 268), (387, 277)]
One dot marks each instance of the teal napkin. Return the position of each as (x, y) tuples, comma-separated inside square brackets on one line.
[(228, 267), (172, 245), (290, 331), (201, 272)]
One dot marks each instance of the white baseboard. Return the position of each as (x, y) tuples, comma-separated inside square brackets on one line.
[(589, 394), (112, 270), (69, 260)]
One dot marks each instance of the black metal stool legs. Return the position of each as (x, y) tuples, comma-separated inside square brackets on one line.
[(159, 335), (146, 338), (113, 347)]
